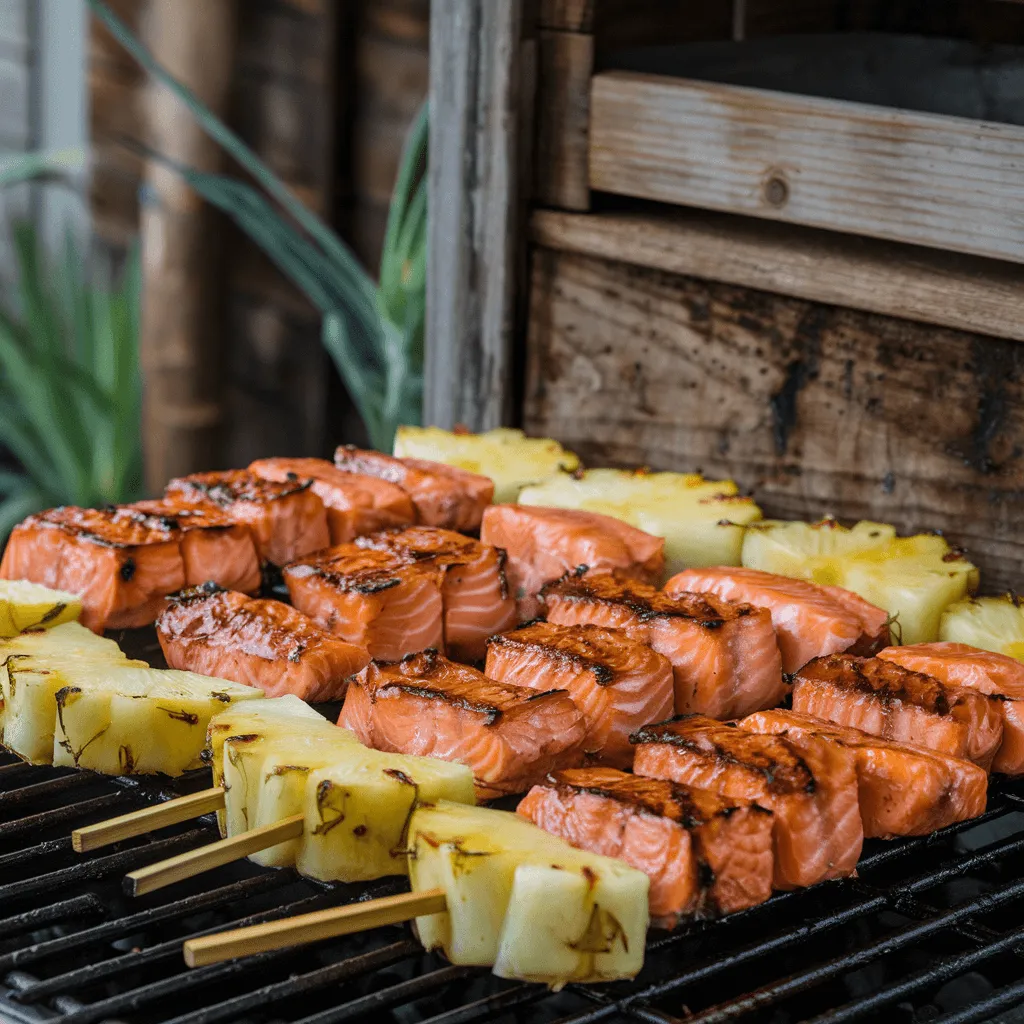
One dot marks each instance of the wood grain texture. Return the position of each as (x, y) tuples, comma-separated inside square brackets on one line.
[(818, 409), (926, 179), (965, 292), (480, 89)]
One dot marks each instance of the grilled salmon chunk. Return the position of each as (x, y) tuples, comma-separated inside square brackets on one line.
[(904, 790), (725, 658), (810, 620), (984, 671), (378, 600), (618, 683), (123, 561), (887, 700), (808, 784), (287, 519), (474, 591), (355, 504), (704, 853), (545, 543), (266, 644), (510, 737), (442, 495)]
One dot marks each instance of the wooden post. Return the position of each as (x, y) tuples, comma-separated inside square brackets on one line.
[(482, 73), (182, 322)]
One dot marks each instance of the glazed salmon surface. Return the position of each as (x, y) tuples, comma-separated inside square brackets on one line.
[(725, 657), (810, 620), (355, 505), (704, 853), (618, 683), (887, 700), (378, 600), (287, 519), (545, 543), (904, 790), (474, 590), (442, 495), (260, 643), (510, 737), (809, 785), (984, 671)]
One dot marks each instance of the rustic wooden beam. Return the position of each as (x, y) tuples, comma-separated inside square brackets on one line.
[(182, 324), (481, 97)]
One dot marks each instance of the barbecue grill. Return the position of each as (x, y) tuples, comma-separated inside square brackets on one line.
[(930, 930)]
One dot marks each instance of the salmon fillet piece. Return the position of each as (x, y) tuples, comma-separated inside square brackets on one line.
[(704, 853), (260, 643), (287, 519), (474, 590), (904, 790), (808, 784), (725, 658), (984, 671), (510, 736), (887, 700), (355, 504), (378, 600), (618, 683), (442, 495), (810, 620), (545, 543)]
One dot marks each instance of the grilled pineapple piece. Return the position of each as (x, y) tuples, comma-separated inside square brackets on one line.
[(701, 520), (510, 458), (25, 605), (524, 900), (913, 578), (991, 623), (136, 720)]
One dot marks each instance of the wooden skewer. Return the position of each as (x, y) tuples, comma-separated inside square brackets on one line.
[(137, 823), (306, 928), (195, 862)]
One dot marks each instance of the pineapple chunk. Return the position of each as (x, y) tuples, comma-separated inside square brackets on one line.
[(136, 720), (701, 520), (991, 623), (510, 458), (913, 578), (523, 900), (25, 605)]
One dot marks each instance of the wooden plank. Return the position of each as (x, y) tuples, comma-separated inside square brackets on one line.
[(567, 15), (964, 292), (940, 181), (481, 85), (565, 64), (818, 409)]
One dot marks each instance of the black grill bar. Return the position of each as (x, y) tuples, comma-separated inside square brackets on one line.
[(51, 846), (490, 1006), (60, 815), (77, 906), (60, 786), (985, 1010)]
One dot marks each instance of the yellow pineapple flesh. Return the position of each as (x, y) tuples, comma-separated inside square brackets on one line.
[(991, 623), (25, 605)]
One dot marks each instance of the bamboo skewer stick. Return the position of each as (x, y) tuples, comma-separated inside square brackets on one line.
[(306, 928), (137, 823), (195, 862)]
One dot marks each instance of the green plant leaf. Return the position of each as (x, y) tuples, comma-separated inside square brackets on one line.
[(30, 166), (19, 504)]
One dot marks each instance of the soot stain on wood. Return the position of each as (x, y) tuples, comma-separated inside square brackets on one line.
[(799, 372), (991, 372)]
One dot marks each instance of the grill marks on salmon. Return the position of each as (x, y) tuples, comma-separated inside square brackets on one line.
[(510, 736), (725, 658), (810, 620), (442, 495), (474, 590), (618, 683), (355, 504), (545, 543), (985, 671), (704, 853), (903, 790), (378, 600), (124, 560), (286, 517), (259, 643), (887, 700), (809, 785)]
